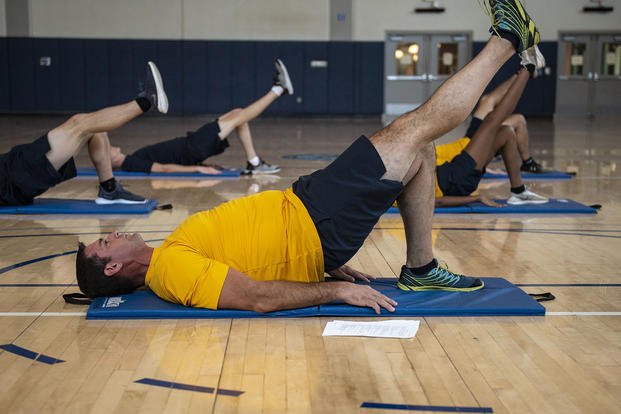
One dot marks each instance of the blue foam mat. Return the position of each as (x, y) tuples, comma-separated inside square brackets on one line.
[(554, 206), (226, 173), (550, 175), (72, 206), (499, 297)]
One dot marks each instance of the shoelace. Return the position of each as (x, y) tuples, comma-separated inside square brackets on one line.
[(492, 14), (441, 276)]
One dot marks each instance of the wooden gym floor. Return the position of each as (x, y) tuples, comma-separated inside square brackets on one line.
[(566, 362)]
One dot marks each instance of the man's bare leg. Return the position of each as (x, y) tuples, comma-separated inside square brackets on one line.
[(399, 143), (67, 139), (519, 125), (488, 102), (99, 152), (236, 117), (245, 137), (416, 204)]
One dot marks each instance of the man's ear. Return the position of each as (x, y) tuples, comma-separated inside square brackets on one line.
[(112, 268)]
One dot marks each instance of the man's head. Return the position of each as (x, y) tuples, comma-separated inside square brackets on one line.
[(116, 156), (110, 266)]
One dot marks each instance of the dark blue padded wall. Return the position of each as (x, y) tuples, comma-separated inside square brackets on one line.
[(539, 98), (213, 76), (4, 76)]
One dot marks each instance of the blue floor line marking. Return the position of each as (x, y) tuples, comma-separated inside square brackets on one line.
[(188, 387), (38, 284), (51, 256), (18, 236), (435, 408), (569, 284), (26, 353)]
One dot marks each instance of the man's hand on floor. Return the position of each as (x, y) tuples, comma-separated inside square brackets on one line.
[(360, 295), (349, 274)]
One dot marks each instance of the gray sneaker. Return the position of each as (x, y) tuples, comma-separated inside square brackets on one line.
[(282, 77), (118, 196), (154, 89), (262, 168)]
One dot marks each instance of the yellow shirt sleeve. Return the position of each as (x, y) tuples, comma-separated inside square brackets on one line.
[(181, 275)]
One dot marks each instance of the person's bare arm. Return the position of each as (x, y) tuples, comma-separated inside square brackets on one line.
[(169, 168), (241, 292), (453, 201)]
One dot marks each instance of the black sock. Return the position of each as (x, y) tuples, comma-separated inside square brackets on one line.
[(529, 161), (423, 270), (510, 37), (143, 103), (518, 190), (108, 185)]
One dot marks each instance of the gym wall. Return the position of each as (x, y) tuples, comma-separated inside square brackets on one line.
[(218, 54)]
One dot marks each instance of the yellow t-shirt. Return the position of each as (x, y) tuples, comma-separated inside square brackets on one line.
[(268, 236), (446, 153)]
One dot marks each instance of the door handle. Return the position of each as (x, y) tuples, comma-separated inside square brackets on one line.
[(563, 77), (431, 77), (596, 77), (590, 76)]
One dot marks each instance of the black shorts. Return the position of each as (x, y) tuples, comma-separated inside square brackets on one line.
[(204, 143), (346, 199), (459, 177), (25, 172)]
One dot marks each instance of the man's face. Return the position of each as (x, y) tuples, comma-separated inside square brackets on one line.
[(119, 247)]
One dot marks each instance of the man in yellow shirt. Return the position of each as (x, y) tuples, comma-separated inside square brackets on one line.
[(461, 163), (269, 251)]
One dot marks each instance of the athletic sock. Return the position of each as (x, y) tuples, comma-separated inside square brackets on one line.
[(518, 190), (278, 90), (255, 161), (423, 270), (143, 103), (108, 185), (510, 37)]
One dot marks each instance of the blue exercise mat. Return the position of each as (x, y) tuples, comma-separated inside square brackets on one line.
[(550, 175), (226, 173), (498, 297), (554, 206), (72, 206)]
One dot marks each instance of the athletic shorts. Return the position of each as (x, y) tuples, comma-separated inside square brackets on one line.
[(204, 143), (346, 199), (459, 177), (26, 172)]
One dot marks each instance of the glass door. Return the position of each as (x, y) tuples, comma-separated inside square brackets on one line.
[(449, 53), (607, 74), (575, 72)]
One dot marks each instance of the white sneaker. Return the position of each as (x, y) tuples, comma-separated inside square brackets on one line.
[(154, 89), (282, 77), (526, 197)]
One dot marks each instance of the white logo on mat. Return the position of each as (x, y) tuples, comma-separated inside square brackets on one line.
[(113, 302)]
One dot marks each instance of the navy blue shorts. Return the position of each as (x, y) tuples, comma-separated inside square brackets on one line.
[(25, 172), (346, 199), (459, 177)]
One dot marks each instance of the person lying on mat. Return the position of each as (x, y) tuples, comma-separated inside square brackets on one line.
[(516, 122), (269, 251), (460, 164), (29, 170), (190, 153)]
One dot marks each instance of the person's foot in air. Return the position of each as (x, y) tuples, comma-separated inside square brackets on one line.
[(438, 278), (282, 77), (511, 22), (154, 89), (526, 197), (117, 195)]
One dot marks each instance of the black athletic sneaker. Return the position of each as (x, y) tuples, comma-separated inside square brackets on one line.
[(510, 16), (533, 167), (282, 77), (262, 168), (439, 278), (154, 89), (118, 196)]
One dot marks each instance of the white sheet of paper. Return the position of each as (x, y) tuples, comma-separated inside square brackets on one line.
[(394, 328)]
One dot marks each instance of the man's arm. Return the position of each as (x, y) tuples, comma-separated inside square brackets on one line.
[(169, 168), (241, 292), (453, 201)]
